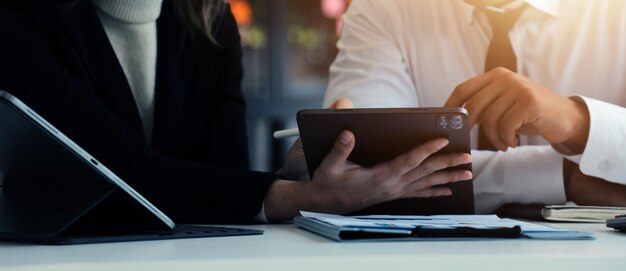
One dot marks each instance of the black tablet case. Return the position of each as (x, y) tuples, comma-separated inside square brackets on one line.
[(381, 135), (51, 195)]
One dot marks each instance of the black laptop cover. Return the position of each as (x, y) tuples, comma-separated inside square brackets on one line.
[(53, 192)]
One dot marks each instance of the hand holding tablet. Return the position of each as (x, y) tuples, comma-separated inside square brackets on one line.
[(381, 139)]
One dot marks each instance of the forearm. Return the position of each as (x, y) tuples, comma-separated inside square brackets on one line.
[(199, 193), (580, 123), (285, 199), (587, 190)]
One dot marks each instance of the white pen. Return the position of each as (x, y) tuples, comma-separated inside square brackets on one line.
[(286, 133)]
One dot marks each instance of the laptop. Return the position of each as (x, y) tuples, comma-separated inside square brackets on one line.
[(53, 192)]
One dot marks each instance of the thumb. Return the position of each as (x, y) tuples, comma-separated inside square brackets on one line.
[(340, 152), (297, 146), (342, 103)]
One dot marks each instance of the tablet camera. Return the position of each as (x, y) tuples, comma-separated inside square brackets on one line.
[(454, 122), (442, 121)]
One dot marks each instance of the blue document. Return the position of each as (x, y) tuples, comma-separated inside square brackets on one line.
[(436, 227)]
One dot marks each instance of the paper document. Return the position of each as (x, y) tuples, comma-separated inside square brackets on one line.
[(341, 227)]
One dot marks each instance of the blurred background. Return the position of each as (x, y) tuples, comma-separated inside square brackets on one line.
[(288, 47)]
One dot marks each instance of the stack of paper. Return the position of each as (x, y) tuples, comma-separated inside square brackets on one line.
[(438, 227)]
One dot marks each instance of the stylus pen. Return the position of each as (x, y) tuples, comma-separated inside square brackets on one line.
[(286, 133)]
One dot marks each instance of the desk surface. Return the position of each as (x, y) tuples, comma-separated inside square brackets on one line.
[(286, 247)]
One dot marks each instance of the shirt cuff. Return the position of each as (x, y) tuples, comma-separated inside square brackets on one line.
[(574, 158), (603, 156)]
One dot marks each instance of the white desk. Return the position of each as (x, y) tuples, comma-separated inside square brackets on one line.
[(286, 247)]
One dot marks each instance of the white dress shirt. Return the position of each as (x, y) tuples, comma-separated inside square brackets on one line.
[(405, 53)]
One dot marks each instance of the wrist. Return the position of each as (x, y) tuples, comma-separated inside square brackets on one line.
[(579, 129), (587, 190), (280, 174), (285, 199), (278, 202)]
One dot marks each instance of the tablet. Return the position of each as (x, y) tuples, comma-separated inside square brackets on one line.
[(384, 133), (54, 192)]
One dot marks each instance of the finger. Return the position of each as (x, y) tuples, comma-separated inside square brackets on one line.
[(336, 158), (510, 122), (297, 145), (439, 178), (467, 89), (489, 126), (491, 118), (412, 159), (430, 187), (436, 163), (342, 103), (430, 193), (482, 100)]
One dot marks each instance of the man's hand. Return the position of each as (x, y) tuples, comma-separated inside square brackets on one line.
[(587, 190), (340, 186), (507, 104), (295, 165), (346, 186)]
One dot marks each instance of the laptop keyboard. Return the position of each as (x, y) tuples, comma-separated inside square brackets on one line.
[(210, 230), (180, 232)]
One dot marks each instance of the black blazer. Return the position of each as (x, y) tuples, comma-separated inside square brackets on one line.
[(56, 57)]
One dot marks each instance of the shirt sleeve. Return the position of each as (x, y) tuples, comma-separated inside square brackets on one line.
[(370, 61), (526, 174), (604, 156)]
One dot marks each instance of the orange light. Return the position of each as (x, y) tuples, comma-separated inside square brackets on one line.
[(242, 11)]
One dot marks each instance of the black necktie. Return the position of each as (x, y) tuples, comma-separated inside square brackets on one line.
[(500, 52)]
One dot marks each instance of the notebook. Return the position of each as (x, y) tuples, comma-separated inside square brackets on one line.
[(581, 213), (565, 213), (53, 192)]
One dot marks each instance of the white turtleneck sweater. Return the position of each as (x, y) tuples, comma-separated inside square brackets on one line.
[(131, 28)]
